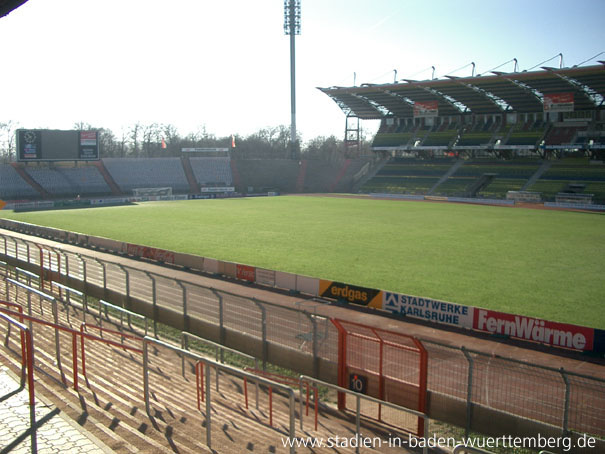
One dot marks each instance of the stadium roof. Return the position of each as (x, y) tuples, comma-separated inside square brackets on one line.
[(521, 92), (6, 6)]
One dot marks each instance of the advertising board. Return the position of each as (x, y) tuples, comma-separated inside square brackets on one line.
[(533, 329), (428, 309), (363, 296)]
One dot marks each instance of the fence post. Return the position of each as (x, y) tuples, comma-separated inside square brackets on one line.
[(29, 342), (567, 398), (186, 321), (357, 420), (74, 347), (66, 264), (127, 289), (184, 346), (208, 407), (55, 311), (29, 305), (146, 377), (265, 345), (300, 397), (27, 248), (102, 264), (83, 272), (315, 346), (221, 322), (256, 382), (292, 421), (469, 392), (155, 303)]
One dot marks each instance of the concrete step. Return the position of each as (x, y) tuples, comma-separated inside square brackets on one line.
[(114, 402)]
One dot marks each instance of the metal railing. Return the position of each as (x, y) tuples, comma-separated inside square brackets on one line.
[(554, 396), (299, 330), (129, 314), (207, 364), (204, 362), (526, 390), (314, 383), (27, 361)]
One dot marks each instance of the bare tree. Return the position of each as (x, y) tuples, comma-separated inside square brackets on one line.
[(8, 139), (82, 126), (151, 139), (107, 143), (172, 139), (135, 132)]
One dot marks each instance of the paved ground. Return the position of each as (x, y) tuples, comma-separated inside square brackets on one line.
[(56, 435)]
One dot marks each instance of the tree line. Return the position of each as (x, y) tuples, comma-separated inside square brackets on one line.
[(164, 140)]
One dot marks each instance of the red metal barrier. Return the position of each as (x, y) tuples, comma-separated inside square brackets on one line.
[(390, 365), (246, 391), (282, 379), (279, 378), (199, 382), (74, 333)]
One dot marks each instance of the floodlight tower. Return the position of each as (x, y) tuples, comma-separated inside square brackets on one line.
[(292, 28)]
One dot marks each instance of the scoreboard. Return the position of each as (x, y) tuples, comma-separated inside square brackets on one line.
[(57, 145)]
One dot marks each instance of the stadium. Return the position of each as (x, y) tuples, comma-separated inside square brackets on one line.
[(442, 281)]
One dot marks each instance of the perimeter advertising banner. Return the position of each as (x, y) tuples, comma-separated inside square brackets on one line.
[(428, 309), (558, 102), (151, 253), (426, 109), (246, 272), (363, 296), (536, 330)]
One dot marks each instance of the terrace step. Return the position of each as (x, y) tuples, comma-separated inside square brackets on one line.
[(27, 177), (536, 176), (113, 408), (447, 174)]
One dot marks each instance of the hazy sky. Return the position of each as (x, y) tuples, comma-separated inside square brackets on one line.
[(225, 63)]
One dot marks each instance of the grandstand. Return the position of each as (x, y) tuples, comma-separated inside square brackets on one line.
[(480, 137), (411, 176), (67, 181), (501, 126), (110, 177), (212, 171), (13, 185), (132, 173), (508, 176), (578, 172)]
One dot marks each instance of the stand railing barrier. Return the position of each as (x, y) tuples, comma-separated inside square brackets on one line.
[(219, 357), (122, 311), (207, 364), (359, 397), (27, 362), (74, 333), (85, 326)]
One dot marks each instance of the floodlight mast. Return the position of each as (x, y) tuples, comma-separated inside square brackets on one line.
[(292, 28)]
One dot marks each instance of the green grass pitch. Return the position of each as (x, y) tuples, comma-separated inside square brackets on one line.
[(547, 264)]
